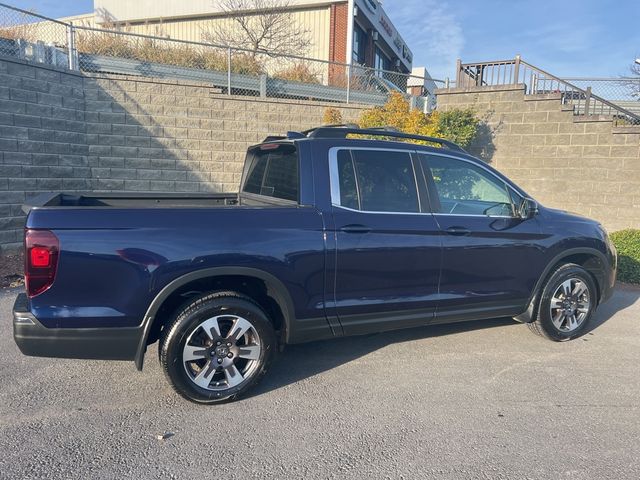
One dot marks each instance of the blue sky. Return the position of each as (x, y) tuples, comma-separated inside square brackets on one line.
[(568, 38), (590, 38)]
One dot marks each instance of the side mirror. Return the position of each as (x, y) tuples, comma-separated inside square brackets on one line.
[(528, 208)]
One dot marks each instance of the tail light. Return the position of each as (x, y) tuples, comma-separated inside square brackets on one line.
[(41, 250)]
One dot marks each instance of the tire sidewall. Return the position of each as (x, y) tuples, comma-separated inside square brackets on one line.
[(188, 320), (544, 315)]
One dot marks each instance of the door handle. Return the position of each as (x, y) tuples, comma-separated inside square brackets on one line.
[(458, 231), (355, 229)]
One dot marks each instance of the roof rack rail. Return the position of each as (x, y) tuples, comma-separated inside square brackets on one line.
[(293, 135), (274, 138), (334, 125), (344, 131)]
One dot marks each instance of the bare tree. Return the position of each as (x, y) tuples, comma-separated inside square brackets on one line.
[(260, 26)]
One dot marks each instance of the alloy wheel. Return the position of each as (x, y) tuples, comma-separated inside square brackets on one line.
[(222, 352), (570, 304)]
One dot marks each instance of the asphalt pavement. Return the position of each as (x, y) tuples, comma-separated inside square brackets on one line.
[(481, 400)]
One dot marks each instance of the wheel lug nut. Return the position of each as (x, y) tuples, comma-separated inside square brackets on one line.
[(228, 344), (218, 343), (219, 360), (230, 355)]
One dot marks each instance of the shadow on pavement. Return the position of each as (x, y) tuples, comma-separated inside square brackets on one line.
[(298, 362), (623, 297)]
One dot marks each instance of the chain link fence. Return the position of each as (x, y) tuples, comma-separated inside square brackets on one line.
[(231, 71), (624, 91), (612, 89), (29, 36), (237, 71)]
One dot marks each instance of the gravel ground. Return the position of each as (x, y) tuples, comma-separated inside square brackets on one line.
[(11, 270), (478, 400)]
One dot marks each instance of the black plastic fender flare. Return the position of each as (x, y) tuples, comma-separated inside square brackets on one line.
[(529, 313), (275, 288)]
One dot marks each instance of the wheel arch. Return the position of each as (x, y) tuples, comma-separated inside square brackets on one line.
[(274, 289), (591, 259)]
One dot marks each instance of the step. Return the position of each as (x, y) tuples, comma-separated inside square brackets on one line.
[(537, 97), (630, 129), (579, 118)]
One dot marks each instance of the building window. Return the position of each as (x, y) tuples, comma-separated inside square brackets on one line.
[(359, 44), (381, 62)]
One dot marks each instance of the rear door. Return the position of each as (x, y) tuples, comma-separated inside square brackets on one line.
[(487, 247), (388, 245)]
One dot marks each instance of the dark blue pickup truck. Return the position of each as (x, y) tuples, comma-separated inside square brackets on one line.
[(329, 236)]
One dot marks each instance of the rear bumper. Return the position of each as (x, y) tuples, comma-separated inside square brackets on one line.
[(34, 339)]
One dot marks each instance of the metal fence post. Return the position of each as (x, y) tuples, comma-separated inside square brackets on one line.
[(516, 70), (587, 101), (229, 71), (459, 73), (263, 86), (71, 47), (348, 83)]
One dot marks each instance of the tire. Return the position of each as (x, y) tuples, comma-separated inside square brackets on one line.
[(566, 305), (217, 347)]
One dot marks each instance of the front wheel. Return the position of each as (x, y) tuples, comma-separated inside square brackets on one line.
[(566, 304), (217, 347)]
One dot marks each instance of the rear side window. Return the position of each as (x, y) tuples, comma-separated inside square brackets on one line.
[(377, 181), (272, 172)]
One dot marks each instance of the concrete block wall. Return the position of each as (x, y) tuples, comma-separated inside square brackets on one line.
[(42, 138), (581, 164), (63, 131)]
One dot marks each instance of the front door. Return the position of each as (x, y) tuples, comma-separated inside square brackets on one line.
[(487, 248), (388, 245)]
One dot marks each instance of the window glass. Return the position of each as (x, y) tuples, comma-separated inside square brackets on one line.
[(348, 187), (377, 181), (273, 173), (459, 187), (381, 62), (359, 43)]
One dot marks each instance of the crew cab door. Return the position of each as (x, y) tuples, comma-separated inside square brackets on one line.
[(488, 250), (388, 246)]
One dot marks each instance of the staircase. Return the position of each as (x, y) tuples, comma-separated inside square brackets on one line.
[(536, 81)]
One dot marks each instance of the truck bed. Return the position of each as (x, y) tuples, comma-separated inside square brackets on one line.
[(131, 200)]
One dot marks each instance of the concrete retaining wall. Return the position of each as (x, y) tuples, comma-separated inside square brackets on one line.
[(62, 131), (576, 163)]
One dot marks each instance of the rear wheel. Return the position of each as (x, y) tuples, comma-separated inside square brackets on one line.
[(217, 347), (566, 304)]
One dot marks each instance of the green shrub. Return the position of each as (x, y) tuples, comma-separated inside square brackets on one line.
[(459, 126), (627, 243)]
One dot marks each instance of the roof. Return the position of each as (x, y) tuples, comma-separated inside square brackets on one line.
[(128, 11)]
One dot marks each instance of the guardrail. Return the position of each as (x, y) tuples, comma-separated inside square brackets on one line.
[(236, 83), (537, 81)]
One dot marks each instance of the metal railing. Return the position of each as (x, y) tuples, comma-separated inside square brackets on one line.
[(583, 99), (229, 70)]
